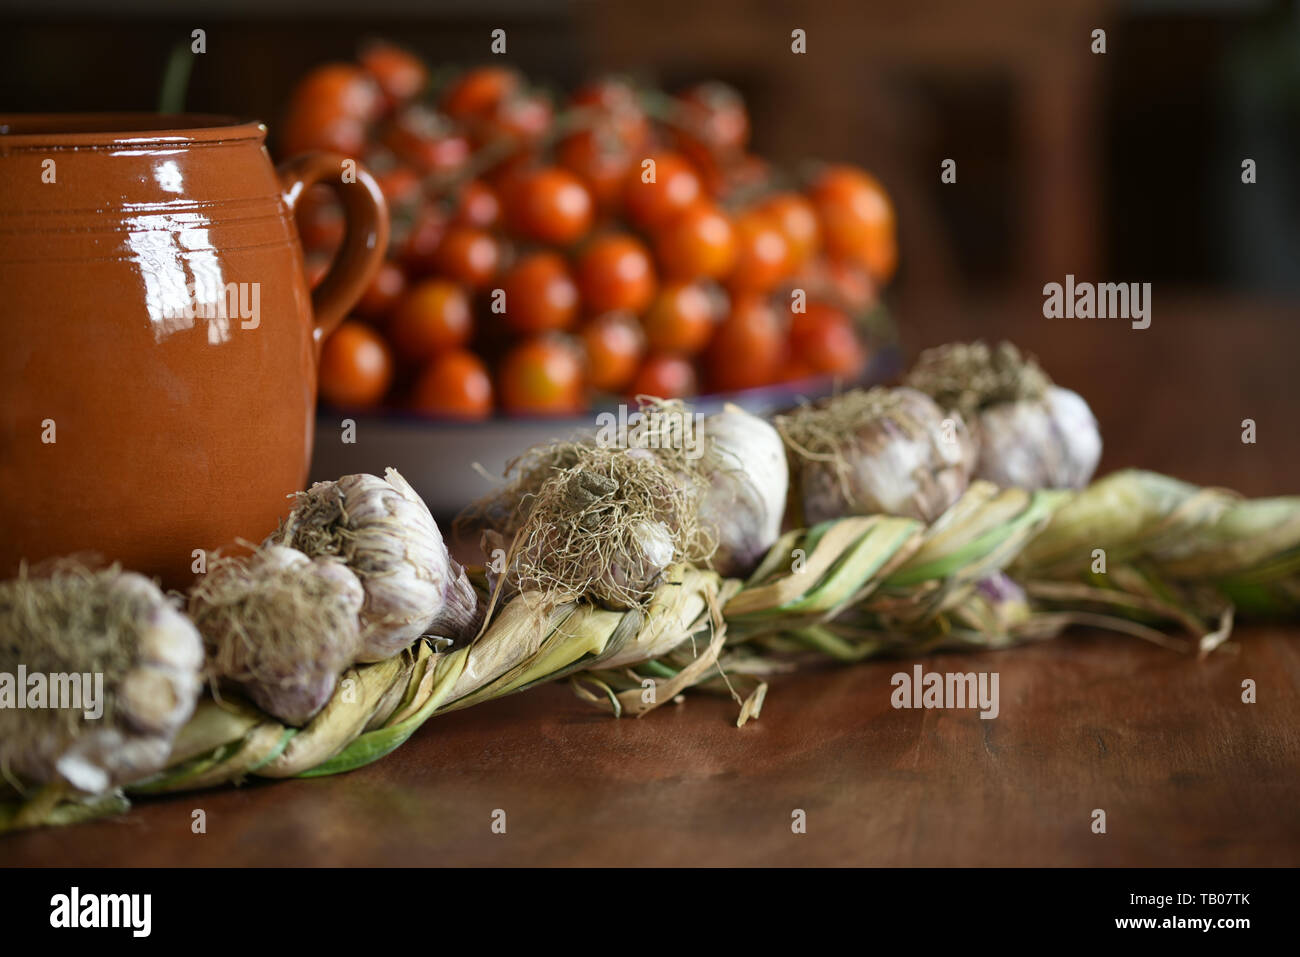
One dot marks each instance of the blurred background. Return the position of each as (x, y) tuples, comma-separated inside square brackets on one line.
[(1121, 167)]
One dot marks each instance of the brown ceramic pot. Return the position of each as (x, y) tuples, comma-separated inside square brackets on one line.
[(158, 365)]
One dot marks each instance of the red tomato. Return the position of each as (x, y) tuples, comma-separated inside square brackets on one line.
[(615, 272), (523, 116), (400, 75), (616, 107), (476, 93), (682, 318), (383, 292), (857, 219), (796, 218), (478, 206), (434, 316), (665, 376), (824, 341), (542, 376), (342, 88), (697, 243), (676, 187), (456, 385), (549, 205), (427, 140), (614, 343), (356, 367), (540, 294), (762, 253), (602, 159), (417, 243), (746, 349), (471, 256), (714, 115)]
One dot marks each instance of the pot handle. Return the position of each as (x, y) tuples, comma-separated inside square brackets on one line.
[(365, 240)]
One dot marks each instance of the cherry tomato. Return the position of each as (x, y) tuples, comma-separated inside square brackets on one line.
[(697, 243), (746, 349), (824, 339), (549, 205), (617, 108), (682, 318), (400, 74), (857, 219), (400, 185), (426, 139), (469, 255), (417, 242), (762, 254), (601, 159), (676, 187), (356, 366), (341, 87), (540, 294), (714, 115), (456, 385), (477, 92), (434, 316), (523, 116), (615, 272), (478, 206), (665, 376), (614, 344), (383, 293), (542, 376), (796, 218)]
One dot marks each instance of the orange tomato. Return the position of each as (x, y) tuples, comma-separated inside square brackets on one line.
[(857, 219), (540, 294), (477, 206), (601, 159), (426, 139), (356, 367), (456, 385), (615, 272), (434, 316), (762, 253), (617, 108), (796, 218), (714, 116), (824, 341), (383, 292), (665, 376), (542, 376), (468, 255), (341, 88), (476, 93), (549, 205), (697, 243), (675, 189), (523, 115), (400, 74), (682, 318), (746, 349), (614, 343)]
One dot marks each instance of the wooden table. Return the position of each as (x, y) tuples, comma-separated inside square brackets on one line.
[(1186, 773)]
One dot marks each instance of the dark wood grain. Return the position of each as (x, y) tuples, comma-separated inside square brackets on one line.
[(1187, 773)]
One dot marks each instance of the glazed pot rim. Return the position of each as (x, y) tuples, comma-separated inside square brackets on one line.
[(19, 130)]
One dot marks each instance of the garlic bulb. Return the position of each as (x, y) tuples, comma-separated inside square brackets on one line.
[(281, 626), (1031, 433), (117, 669), (891, 451), (384, 531), (605, 528), (744, 463)]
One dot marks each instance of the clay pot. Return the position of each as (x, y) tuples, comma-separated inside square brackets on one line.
[(158, 367)]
